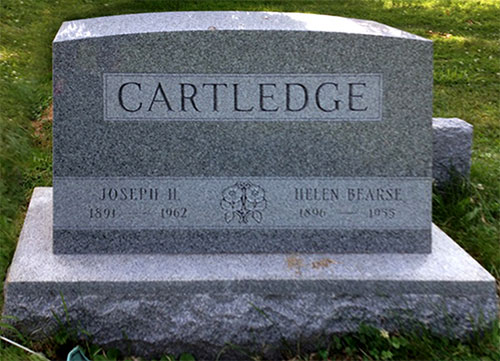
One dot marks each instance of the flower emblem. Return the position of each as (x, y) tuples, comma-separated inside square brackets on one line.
[(242, 202)]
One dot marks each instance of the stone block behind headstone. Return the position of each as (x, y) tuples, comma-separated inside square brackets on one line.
[(452, 147)]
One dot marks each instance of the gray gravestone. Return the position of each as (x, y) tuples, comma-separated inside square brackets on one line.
[(202, 133), (244, 152), (452, 146)]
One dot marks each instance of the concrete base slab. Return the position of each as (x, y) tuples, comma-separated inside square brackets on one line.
[(156, 304)]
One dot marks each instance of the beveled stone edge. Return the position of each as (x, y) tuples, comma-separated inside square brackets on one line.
[(223, 21)]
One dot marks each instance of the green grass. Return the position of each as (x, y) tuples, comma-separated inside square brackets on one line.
[(466, 38), (367, 344)]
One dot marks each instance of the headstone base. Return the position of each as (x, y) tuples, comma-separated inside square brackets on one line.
[(156, 304)]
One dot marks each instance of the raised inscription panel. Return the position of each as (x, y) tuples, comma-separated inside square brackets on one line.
[(243, 203), (298, 97)]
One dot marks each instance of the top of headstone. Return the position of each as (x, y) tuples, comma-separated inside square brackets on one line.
[(221, 20)]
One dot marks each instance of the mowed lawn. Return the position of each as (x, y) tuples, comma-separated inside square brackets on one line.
[(466, 37)]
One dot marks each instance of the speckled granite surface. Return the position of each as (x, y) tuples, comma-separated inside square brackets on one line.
[(352, 135), (174, 303), (298, 96), (452, 148)]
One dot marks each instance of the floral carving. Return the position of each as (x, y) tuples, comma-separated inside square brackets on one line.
[(243, 201)]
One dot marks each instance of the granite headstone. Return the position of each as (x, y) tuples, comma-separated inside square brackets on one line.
[(241, 162), (192, 133)]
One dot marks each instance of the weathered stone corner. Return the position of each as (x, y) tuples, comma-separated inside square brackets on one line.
[(452, 143)]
